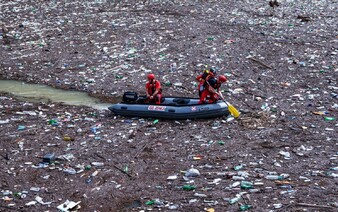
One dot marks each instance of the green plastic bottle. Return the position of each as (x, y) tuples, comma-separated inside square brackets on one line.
[(150, 202), (236, 168), (168, 83), (189, 187), (326, 118), (245, 207), (274, 177), (246, 185)]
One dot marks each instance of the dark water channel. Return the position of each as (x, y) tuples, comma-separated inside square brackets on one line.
[(40, 93)]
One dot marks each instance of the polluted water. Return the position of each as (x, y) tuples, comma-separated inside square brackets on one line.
[(40, 93)]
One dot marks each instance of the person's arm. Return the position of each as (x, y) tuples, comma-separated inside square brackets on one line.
[(158, 87), (210, 88), (147, 90), (156, 92)]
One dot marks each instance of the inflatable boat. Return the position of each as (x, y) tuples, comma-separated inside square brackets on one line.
[(133, 105)]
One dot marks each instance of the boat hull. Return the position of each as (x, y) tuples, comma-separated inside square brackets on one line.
[(172, 108)]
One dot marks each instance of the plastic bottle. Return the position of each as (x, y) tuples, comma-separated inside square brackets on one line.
[(238, 167), (237, 178), (53, 122), (192, 173), (245, 207), (150, 202), (331, 174), (234, 200), (173, 67), (69, 170), (21, 127), (200, 195), (326, 118), (94, 130), (173, 207), (334, 168), (97, 163), (273, 177), (246, 185), (168, 83), (189, 187), (89, 180), (68, 138)]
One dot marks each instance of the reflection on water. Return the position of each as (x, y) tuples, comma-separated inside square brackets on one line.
[(43, 93)]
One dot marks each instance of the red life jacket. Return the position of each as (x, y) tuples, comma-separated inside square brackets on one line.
[(152, 87), (203, 78)]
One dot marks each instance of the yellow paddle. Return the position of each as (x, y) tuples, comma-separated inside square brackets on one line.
[(234, 112)]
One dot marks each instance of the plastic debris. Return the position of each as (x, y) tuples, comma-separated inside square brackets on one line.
[(192, 172), (281, 65), (69, 206)]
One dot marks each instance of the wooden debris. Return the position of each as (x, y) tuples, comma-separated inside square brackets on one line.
[(260, 62), (313, 205)]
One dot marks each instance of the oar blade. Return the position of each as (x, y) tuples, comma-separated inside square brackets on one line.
[(234, 112)]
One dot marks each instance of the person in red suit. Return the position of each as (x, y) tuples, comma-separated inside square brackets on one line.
[(212, 90), (153, 90), (202, 78)]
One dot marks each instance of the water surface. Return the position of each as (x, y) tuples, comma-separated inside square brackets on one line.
[(42, 93)]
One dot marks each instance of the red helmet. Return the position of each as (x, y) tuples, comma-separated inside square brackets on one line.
[(151, 76), (222, 78)]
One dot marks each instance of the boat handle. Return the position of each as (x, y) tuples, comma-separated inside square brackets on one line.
[(171, 110), (124, 108)]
